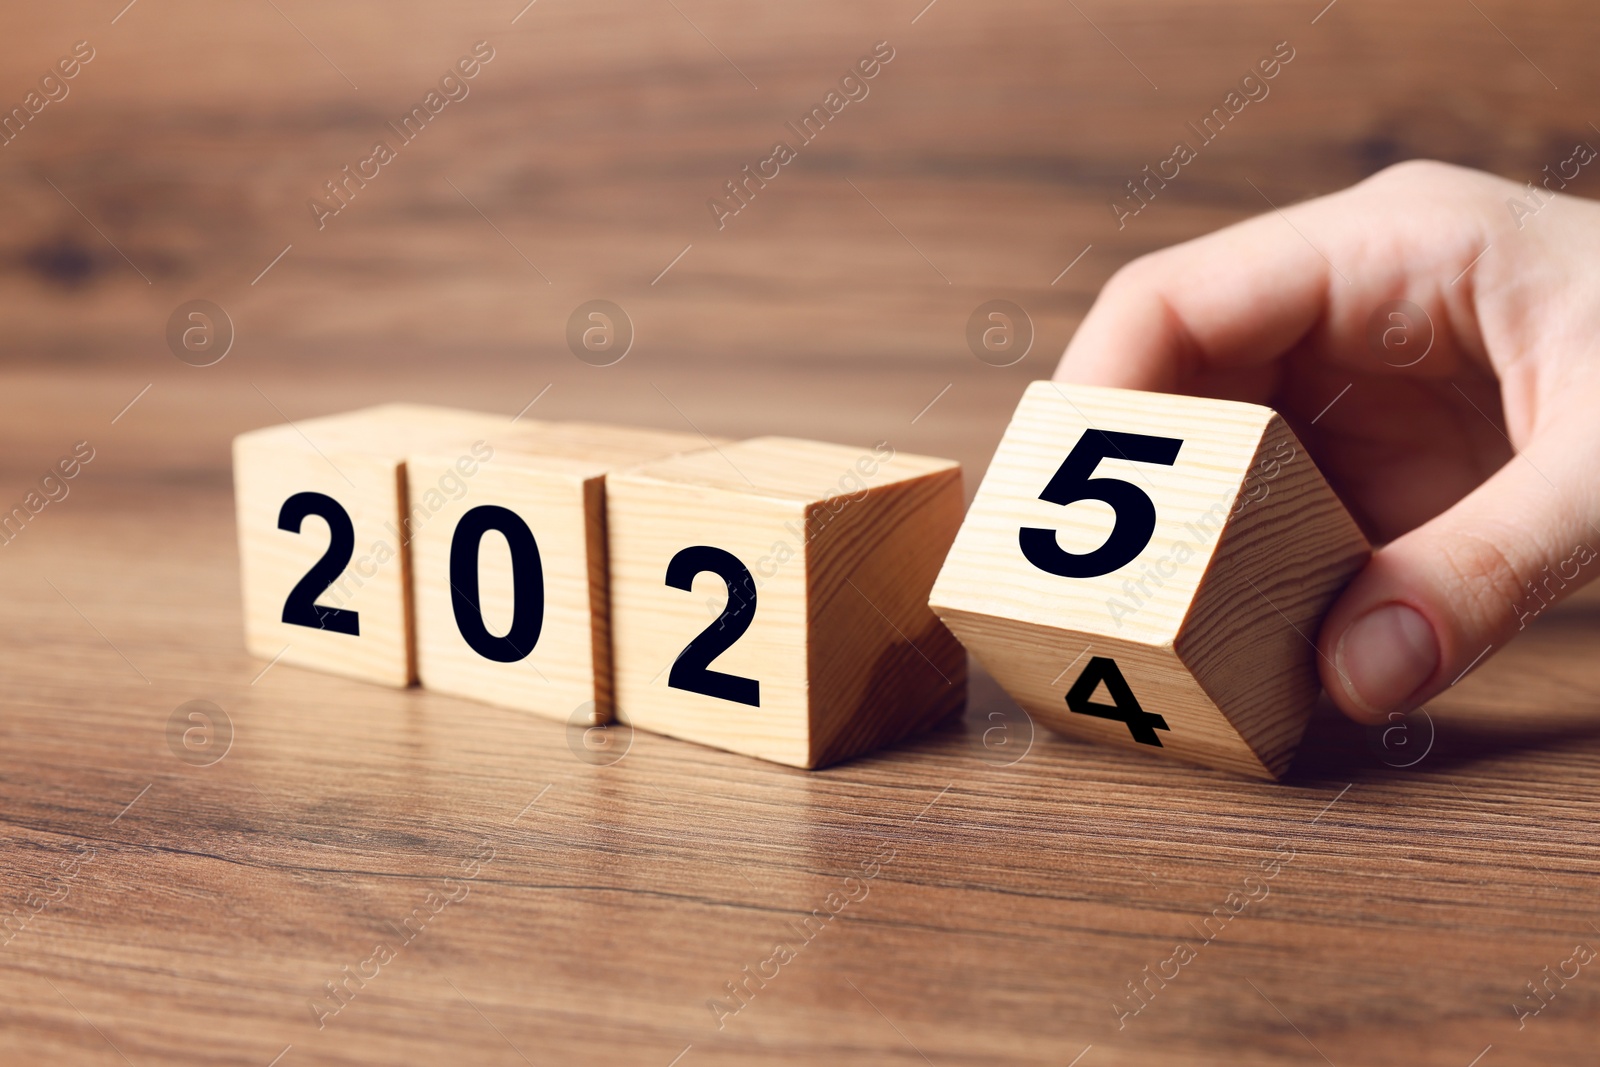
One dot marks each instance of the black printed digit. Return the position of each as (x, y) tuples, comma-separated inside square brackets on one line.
[(1124, 707), (527, 584), (301, 607), (691, 671), (1135, 512)]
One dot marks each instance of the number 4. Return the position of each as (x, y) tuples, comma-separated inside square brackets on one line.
[(1124, 707)]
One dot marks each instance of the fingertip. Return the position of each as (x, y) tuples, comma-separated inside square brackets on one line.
[(1379, 662)]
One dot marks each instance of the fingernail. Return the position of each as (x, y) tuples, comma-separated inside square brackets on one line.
[(1385, 656)]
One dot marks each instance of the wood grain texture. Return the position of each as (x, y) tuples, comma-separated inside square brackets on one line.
[(837, 651), (995, 141), (1024, 893), (1210, 623), (883, 666), (1032, 876), (1287, 551)]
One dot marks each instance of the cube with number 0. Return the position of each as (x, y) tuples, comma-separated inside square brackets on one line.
[(1150, 570), (509, 569), (771, 597)]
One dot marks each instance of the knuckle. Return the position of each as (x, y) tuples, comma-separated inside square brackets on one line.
[(1413, 172), (1142, 278), (1429, 179), (1136, 275)]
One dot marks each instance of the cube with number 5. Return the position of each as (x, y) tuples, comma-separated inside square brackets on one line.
[(1150, 570), (771, 597)]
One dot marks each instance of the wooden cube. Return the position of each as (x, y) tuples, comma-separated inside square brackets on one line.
[(323, 533), (770, 597), (1150, 570), (509, 569)]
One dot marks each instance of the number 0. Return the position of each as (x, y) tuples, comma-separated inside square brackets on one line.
[(1135, 511), (527, 584)]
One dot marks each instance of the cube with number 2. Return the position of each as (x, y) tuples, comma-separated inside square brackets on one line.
[(771, 597)]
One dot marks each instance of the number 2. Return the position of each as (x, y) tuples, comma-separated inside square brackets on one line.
[(301, 607), (1135, 512), (691, 671)]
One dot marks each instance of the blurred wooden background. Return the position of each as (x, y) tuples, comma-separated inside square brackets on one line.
[(979, 167), (993, 142)]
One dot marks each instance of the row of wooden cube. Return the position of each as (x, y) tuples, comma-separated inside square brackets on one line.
[(767, 596)]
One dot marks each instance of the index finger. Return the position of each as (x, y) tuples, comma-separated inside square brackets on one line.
[(1234, 301)]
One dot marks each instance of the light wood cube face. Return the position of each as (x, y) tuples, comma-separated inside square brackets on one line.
[(509, 568), (1150, 570), (770, 597), (509, 580), (322, 535)]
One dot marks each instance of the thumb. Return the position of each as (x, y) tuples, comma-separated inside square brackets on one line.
[(1437, 602)]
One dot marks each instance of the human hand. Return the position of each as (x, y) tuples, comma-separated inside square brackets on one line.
[(1466, 443)]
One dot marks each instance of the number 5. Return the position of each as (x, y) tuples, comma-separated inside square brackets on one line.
[(1135, 511)]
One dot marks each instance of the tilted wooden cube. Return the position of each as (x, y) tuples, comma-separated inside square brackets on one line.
[(509, 571), (1150, 570), (323, 531), (770, 597)]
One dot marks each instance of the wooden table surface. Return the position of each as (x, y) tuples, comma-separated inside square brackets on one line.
[(567, 906)]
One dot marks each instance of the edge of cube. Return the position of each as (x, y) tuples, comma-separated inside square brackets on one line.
[(1252, 548)]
